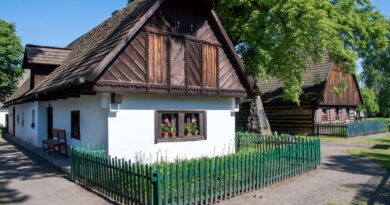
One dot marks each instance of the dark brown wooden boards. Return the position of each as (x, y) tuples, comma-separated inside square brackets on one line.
[(350, 96), (290, 118), (176, 52), (130, 65)]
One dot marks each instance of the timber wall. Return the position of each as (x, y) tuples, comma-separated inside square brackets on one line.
[(290, 118)]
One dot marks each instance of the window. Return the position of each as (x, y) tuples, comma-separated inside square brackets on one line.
[(75, 124), (352, 114), (173, 126), (22, 118), (339, 112), (17, 118), (33, 118), (325, 114), (185, 18)]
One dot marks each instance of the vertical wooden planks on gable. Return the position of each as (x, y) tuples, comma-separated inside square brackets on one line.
[(157, 59), (194, 63), (177, 62), (209, 65)]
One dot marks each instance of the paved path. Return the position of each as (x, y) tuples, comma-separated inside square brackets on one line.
[(341, 180), (26, 179)]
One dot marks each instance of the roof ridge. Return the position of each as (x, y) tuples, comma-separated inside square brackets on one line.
[(40, 46)]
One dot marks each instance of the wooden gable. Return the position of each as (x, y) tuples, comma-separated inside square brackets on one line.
[(351, 95), (177, 51)]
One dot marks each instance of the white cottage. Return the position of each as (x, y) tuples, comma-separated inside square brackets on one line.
[(158, 76)]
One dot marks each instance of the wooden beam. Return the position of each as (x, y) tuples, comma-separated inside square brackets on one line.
[(181, 36)]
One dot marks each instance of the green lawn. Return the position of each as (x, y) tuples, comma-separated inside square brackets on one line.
[(379, 151), (334, 139), (378, 119)]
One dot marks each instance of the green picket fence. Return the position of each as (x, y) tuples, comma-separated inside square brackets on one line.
[(120, 180), (257, 163)]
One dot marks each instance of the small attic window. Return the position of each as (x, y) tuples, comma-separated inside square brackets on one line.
[(185, 19)]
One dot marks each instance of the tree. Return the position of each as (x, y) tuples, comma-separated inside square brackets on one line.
[(11, 54), (376, 75), (370, 105), (280, 37)]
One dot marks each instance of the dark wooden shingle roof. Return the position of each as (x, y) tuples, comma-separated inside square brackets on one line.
[(91, 49), (44, 55), (315, 79), (21, 91)]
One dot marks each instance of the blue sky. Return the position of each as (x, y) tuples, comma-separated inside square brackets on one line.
[(56, 22), (59, 22)]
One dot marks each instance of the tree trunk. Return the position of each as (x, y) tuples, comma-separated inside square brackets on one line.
[(257, 120)]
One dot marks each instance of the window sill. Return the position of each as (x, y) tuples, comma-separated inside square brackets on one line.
[(180, 139)]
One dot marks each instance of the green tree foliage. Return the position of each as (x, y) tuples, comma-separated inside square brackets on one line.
[(280, 37), (11, 54), (370, 105), (376, 75)]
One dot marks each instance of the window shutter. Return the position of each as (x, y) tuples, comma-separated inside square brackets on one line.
[(157, 58), (209, 66), (194, 63)]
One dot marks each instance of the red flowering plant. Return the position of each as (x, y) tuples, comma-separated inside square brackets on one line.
[(173, 130), (166, 127)]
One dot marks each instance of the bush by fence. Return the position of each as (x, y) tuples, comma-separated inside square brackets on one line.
[(259, 161), (3, 130), (350, 129)]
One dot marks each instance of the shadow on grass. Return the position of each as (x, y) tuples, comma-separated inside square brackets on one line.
[(375, 191)]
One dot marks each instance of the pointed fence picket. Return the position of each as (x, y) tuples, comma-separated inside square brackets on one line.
[(259, 161)]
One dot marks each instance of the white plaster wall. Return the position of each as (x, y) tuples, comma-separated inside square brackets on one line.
[(3, 112), (131, 130), (93, 119), (10, 127), (25, 131)]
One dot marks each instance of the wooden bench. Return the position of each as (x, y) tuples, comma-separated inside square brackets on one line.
[(57, 143)]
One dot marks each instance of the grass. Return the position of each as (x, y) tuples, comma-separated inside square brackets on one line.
[(378, 119), (334, 139), (377, 152)]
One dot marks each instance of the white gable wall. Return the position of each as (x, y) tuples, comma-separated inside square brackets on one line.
[(131, 130)]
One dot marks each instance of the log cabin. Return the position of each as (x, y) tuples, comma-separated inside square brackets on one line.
[(329, 95), (158, 76)]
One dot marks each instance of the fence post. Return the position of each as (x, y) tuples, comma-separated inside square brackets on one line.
[(156, 186)]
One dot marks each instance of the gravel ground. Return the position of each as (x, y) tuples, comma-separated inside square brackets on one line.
[(26, 179), (340, 180)]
